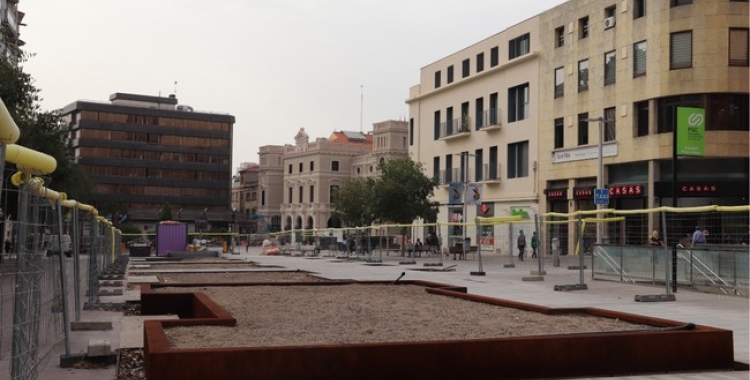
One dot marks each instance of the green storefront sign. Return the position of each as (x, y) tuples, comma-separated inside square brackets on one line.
[(691, 129)]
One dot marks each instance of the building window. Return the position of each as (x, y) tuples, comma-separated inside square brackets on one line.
[(449, 121), (437, 79), (312, 193), (465, 125), (312, 165), (677, 3), (583, 129), (559, 36), (494, 56), (332, 193), (583, 27), (479, 122), (610, 124), (436, 169), (738, 47), (609, 17), (610, 69), (262, 197), (681, 50), (300, 167), (478, 165), (639, 58), (334, 166), (300, 194), (518, 103), (480, 62), (519, 46), (494, 112), (583, 75), (559, 133), (449, 75), (492, 172), (559, 82), (448, 168), (465, 68), (639, 8), (518, 160), (290, 168), (291, 200), (436, 125), (411, 131), (641, 118)]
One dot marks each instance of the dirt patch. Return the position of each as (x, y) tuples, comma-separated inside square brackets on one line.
[(234, 277), (269, 316)]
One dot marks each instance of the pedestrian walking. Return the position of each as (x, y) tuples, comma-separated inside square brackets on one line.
[(534, 244), (521, 245)]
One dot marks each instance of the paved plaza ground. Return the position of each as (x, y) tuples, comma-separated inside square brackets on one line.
[(500, 281)]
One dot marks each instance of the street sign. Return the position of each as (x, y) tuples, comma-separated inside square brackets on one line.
[(601, 196)]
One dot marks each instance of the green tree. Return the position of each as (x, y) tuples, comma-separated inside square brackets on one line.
[(166, 212), (403, 191), (353, 202), (42, 131), (130, 232)]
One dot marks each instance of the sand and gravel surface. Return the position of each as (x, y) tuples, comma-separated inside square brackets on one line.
[(269, 316)]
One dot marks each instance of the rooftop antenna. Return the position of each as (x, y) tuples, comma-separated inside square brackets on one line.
[(361, 105), (175, 88)]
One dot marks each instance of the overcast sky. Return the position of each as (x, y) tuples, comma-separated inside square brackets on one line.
[(276, 65)]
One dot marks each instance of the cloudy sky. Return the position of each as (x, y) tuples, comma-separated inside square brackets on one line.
[(276, 65)]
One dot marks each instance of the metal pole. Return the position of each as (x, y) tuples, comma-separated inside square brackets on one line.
[(539, 254), (666, 252), (465, 156), (63, 283), (581, 262), (600, 181), (76, 262)]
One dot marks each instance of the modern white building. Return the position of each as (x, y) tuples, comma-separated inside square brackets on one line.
[(474, 121)]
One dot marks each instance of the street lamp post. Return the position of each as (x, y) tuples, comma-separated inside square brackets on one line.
[(232, 228), (600, 174)]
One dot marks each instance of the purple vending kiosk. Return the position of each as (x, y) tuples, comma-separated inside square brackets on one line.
[(170, 237)]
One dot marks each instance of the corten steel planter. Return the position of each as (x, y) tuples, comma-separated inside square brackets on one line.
[(619, 353)]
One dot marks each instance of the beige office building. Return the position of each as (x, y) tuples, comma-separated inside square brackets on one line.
[(474, 120), (635, 63), (519, 112), (296, 181)]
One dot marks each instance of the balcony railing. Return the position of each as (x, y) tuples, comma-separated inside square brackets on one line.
[(490, 119), (455, 127), (491, 172)]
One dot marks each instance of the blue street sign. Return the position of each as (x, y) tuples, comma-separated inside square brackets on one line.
[(601, 196)]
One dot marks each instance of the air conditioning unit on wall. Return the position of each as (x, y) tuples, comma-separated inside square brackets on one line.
[(609, 22)]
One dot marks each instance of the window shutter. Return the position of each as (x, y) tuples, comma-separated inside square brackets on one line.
[(738, 47), (682, 50)]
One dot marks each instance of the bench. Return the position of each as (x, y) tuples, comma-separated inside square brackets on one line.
[(458, 251)]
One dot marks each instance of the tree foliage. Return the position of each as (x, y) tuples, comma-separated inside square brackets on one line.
[(166, 212), (42, 131), (352, 202), (400, 195), (403, 191)]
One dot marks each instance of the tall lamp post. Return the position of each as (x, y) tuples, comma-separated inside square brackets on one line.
[(233, 227), (465, 158), (600, 173)]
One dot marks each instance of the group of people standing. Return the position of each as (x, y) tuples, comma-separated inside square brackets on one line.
[(521, 242)]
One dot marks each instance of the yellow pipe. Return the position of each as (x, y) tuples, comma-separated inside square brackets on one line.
[(9, 132), (30, 161)]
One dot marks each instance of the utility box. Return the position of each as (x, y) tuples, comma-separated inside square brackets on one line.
[(170, 236), (139, 250)]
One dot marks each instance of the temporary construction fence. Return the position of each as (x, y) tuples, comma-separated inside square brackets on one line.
[(50, 262), (720, 263)]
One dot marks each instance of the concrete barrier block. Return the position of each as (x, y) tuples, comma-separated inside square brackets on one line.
[(99, 347), (91, 326)]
